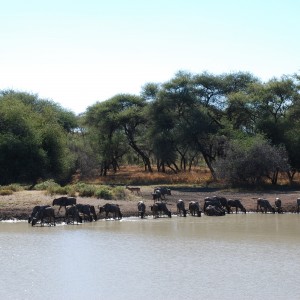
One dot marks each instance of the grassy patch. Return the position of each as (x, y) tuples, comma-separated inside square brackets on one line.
[(4, 192)]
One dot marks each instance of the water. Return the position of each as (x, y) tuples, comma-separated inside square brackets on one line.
[(251, 256)]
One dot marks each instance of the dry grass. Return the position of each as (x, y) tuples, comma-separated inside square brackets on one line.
[(199, 177), (131, 175)]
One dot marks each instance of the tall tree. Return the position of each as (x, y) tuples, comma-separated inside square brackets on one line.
[(123, 113), (180, 124)]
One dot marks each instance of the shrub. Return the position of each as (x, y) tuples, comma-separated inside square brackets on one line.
[(119, 193), (12, 187), (5, 192), (87, 191), (79, 186), (253, 164), (15, 187), (103, 192), (57, 189), (45, 185), (71, 190)]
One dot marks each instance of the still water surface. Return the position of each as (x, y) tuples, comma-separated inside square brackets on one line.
[(251, 256)]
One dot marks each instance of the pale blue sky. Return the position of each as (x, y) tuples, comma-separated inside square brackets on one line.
[(79, 52)]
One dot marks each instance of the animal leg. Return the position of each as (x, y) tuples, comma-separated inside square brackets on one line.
[(58, 210)]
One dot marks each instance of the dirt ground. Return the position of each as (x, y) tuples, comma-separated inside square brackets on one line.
[(20, 204)]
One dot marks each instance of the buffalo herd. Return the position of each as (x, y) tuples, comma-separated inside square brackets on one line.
[(76, 213)]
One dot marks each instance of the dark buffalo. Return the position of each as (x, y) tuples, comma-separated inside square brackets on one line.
[(219, 202), (72, 215), (212, 210), (35, 210), (224, 203), (42, 215), (214, 201), (298, 205), (181, 208), (278, 206), (194, 208), (237, 205), (64, 202), (160, 208), (141, 209), (113, 209), (264, 206), (87, 211), (156, 196), (163, 191)]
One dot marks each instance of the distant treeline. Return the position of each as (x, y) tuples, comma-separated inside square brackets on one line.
[(244, 130)]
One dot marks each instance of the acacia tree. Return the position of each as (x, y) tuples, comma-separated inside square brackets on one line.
[(179, 124), (122, 115), (276, 106), (271, 108), (290, 127), (262, 107)]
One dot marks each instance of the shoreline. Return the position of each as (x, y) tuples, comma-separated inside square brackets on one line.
[(19, 205), (127, 217)]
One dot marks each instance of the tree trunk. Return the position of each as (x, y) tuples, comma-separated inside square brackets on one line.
[(291, 175), (144, 157), (175, 169), (209, 165), (275, 177)]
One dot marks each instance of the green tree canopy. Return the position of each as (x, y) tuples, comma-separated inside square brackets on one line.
[(33, 141), (121, 116)]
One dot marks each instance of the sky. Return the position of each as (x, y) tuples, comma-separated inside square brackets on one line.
[(80, 52)]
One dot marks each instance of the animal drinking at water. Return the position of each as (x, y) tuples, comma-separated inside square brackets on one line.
[(44, 214), (217, 204), (181, 208), (278, 206), (113, 209), (264, 206), (194, 208), (237, 205), (158, 208), (72, 215), (35, 210), (87, 211), (141, 209)]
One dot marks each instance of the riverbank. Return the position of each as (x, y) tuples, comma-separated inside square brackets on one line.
[(20, 204)]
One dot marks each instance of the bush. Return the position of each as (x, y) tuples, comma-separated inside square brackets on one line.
[(15, 187), (103, 192), (71, 190), (12, 187), (80, 186), (42, 186), (5, 192), (83, 190), (86, 190), (253, 163), (57, 189), (119, 193)]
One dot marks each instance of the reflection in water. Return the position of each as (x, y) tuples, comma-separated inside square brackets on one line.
[(251, 256)]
